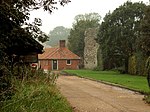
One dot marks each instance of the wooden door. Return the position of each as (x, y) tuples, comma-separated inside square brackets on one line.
[(55, 62)]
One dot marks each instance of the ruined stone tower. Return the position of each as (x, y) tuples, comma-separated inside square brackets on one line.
[(91, 48)]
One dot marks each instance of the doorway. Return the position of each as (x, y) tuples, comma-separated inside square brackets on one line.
[(55, 64)]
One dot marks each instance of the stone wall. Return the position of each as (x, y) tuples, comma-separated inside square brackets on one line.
[(90, 49)]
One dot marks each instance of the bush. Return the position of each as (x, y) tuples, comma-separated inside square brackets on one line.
[(6, 90), (132, 65), (97, 68), (121, 70), (37, 94), (147, 98)]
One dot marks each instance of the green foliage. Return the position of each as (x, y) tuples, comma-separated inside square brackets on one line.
[(147, 66), (144, 40), (132, 65), (98, 68), (13, 22), (138, 83), (6, 90), (118, 34), (76, 37), (99, 58), (37, 94), (58, 33), (17, 36), (147, 98)]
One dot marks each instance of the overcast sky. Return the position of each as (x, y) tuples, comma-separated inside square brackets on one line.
[(64, 16)]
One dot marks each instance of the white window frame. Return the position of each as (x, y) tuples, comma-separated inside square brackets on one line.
[(67, 62)]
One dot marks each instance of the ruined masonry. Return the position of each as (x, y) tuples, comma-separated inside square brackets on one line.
[(91, 48)]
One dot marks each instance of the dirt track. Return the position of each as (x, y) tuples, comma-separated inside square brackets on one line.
[(89, 96)]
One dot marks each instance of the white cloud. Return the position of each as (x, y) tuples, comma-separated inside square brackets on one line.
[(64, 16)]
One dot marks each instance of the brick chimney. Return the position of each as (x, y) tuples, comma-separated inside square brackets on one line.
[(62, 43)]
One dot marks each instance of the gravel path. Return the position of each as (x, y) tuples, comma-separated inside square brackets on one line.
[(89, 96)]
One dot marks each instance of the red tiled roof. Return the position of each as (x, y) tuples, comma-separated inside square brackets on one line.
[(58, 53)]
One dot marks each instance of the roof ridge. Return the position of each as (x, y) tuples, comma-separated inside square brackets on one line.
[(45, 51), (72, 52), (58, 49), (59, 53), (50, 54)]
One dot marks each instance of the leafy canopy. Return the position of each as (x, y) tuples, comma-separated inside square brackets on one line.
[(58, 33), (13, 22), (76, 37), (118, 34), (144, 41)]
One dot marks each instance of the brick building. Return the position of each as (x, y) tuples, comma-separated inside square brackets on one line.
[(58, 58)]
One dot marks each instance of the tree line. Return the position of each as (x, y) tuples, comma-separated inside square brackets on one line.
[(76, 37), (58, 33), (124, 37)]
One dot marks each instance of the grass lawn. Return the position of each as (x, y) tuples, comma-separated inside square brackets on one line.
[(138, 83)]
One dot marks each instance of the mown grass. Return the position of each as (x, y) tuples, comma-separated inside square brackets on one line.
[(138, 83), (37, 94)]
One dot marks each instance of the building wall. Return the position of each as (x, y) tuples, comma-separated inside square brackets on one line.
[(90, 49), (47, 64), (63, 65)]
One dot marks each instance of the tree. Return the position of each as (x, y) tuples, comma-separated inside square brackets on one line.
[(76, 37), (58, 33), (16, 34), (13, 17), (144, 41), (13, 25), (15, 13), (118, 34)]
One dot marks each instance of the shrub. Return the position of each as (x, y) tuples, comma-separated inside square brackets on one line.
[(97, 68), (6, 90), (132, 69), (36, 94), (147, 98)]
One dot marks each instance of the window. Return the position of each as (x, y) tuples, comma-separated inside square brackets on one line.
[(68, 62)]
